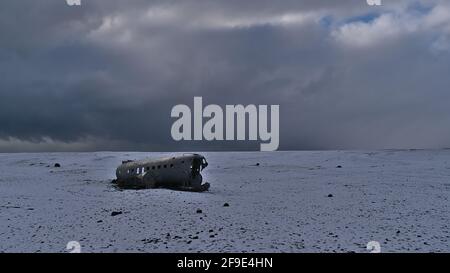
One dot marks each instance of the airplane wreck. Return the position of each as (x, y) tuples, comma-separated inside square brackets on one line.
[(179, 173)]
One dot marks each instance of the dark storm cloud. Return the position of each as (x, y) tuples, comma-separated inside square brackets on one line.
[(104, 76)]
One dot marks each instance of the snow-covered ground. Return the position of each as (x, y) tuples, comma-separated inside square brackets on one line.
[(291, 202)]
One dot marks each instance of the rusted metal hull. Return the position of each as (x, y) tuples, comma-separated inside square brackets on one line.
[(180, 173)]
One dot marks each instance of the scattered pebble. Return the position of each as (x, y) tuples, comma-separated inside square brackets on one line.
[(114, 213)]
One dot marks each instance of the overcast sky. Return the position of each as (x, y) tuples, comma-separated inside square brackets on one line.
[(105, 76)]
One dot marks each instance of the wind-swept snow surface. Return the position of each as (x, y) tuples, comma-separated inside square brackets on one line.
[(258, 202)]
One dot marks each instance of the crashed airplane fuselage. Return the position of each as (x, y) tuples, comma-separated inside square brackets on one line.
[(179, 172)]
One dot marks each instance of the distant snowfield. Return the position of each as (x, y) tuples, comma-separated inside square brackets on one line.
[(398, 198)]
